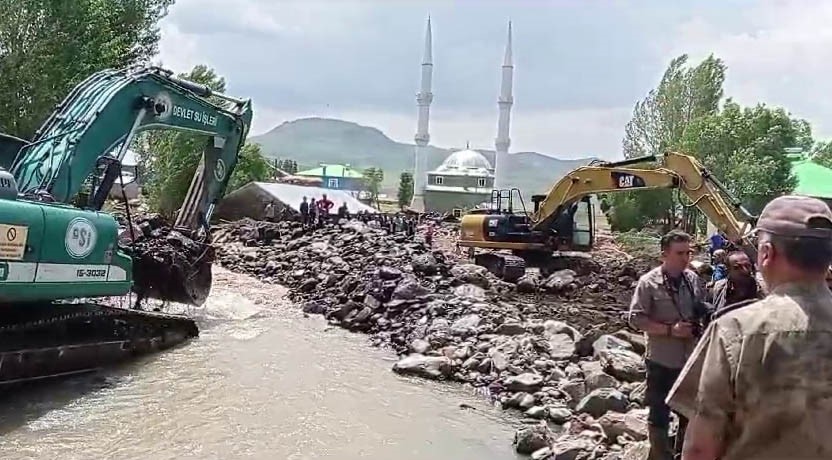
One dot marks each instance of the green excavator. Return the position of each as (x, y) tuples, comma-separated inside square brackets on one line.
[(60, 254)]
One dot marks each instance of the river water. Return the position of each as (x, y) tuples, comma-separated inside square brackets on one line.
[(261, 382)]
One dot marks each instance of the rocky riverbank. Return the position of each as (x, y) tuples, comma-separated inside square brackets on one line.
[(555, 348)]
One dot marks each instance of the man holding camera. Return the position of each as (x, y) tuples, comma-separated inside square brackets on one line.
[(668, 307)]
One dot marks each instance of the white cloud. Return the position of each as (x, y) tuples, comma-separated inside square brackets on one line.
[(579, 68), (782, 56)]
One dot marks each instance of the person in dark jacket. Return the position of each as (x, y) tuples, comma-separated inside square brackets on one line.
[(304, 211)]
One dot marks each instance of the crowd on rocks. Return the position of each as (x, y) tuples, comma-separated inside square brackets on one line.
[(555, 348)]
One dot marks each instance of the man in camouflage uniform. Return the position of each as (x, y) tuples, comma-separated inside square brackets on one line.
[(759, 383), (665, 306)]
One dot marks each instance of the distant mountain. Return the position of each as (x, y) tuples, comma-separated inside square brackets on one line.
[(310, 141)]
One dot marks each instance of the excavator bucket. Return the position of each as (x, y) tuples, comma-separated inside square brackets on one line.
[(170, 264)]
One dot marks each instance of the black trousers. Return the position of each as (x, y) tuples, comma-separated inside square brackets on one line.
[(660, 380)]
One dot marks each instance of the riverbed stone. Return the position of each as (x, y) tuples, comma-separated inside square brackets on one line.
[(466, 324), (601, 401), (432, 367), (561, 346), (632, 423), (529, 439), (524, 382)]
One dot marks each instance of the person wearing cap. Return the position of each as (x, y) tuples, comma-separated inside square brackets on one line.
[(759, 383)]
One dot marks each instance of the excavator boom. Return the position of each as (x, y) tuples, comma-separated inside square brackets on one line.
[(674, 170), (552, 226), (97, 121)]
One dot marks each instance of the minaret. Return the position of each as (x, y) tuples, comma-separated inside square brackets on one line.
[(423, 100), (505, 102)]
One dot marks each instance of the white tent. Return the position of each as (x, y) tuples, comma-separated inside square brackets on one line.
[(250, 200)]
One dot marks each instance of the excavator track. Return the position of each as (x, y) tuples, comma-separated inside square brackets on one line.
[(47, 340), (505, 266)]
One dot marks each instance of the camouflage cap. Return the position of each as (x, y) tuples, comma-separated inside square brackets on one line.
[(796, 216)]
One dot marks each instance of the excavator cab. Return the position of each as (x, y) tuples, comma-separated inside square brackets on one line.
[(9, 147)]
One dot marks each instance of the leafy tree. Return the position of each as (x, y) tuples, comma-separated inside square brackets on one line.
[(659, 122), (252, 166), (405, 194), (821, 153), (373, 177), (746, 149), (169, 159), (49, 46)]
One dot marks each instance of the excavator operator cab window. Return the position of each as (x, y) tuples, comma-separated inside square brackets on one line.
[(582, 224)]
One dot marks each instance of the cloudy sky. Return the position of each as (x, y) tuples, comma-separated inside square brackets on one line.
[(579, 65)]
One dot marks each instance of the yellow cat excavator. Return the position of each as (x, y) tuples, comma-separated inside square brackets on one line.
[(560, 227)]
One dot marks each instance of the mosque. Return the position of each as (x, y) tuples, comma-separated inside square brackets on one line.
[(466, 178)]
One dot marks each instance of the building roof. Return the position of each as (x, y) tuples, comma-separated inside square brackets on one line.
[(812, 179), (332, 170), (465, 163)]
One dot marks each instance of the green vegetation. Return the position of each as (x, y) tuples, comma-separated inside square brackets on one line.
[(405, 194), (373, 177), (743, 147), (47, 47)]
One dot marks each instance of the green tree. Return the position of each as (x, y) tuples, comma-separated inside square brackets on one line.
[(170, 159), (48, 46), (405, 194), (821, 153), (252, 166), (746, 149), (373, 177), (659, 123)]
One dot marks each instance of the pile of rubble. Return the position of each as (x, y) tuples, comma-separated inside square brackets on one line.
[(555, 348)]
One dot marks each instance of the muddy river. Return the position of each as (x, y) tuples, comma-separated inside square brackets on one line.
[(261, 382)]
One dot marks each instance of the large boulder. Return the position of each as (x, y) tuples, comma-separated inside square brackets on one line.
[(389, 273), (425, 263), (466, 325), (617, 358), (633, 424), (510, 328), (527, 382), (408, 289), (472, 274), (432, 367), (470, 291), (529, 439), (560, 281), (561, 346), (528, 284), (571, 448), (601, 401)]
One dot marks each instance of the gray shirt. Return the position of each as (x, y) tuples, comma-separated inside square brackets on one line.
[(654, 300)]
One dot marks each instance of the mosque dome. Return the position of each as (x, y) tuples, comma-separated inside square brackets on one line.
[(467, 162)]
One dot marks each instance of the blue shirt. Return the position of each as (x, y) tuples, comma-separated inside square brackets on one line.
[(720, 272), (717, 242)]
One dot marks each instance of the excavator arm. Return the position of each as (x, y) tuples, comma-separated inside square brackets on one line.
[(98, 120), (674, 170)]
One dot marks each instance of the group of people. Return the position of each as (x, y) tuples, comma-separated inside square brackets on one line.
[(747, 368), (316, 213)]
